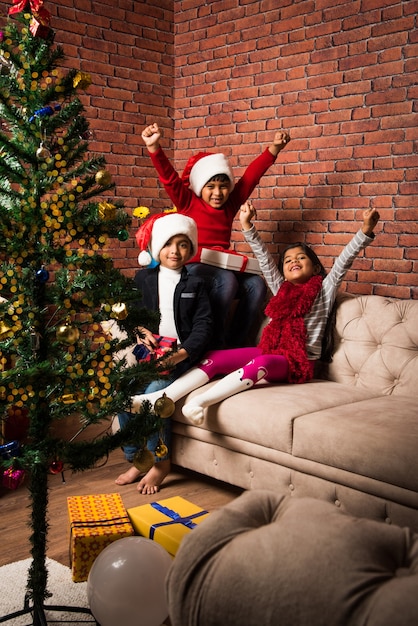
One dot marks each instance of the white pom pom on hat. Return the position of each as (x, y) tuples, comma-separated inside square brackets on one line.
[(203, 166), (144, 258), (152, 236)]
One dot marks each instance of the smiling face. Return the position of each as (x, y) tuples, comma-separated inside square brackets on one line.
[(176, 252), (298, 267), (216, 191)]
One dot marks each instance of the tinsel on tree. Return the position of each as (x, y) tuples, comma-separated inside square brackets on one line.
[(58, 287)]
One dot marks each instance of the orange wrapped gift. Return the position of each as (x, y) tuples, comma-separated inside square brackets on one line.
[(95, 521)]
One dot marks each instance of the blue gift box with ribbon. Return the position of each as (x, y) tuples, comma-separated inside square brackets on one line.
[(166, 521), (9, 450)]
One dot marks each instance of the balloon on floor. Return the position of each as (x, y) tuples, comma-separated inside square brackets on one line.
[(126, 584)]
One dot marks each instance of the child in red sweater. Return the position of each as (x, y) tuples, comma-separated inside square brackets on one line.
[(208, 193)]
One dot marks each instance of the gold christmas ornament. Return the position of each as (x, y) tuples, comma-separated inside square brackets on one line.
[(68, 398), (143, 460), (164, 407), (103, 178), (161, 450), (107, 211), (67, 334), (4, 330), (81, 80), (119, 310)]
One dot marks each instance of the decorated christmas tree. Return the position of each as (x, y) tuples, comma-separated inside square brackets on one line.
[(59, 290)]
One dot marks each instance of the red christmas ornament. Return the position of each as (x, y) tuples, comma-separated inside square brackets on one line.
[(56, 467), (39, 27)]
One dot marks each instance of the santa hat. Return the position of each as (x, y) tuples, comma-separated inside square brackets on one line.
[(158, 229), (203, 166)]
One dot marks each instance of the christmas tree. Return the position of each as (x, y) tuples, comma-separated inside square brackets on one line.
[(58, 289)]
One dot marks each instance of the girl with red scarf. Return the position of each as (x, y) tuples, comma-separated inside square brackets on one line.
[(291, 342)]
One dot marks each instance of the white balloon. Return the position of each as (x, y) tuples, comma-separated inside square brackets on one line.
[(126, 584)]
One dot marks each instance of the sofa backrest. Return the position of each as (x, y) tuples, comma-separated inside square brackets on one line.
[(376, 344)]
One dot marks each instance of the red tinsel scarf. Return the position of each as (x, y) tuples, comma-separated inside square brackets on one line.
[(286, 332)]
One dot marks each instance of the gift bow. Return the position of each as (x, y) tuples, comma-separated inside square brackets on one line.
[(36, 7), (175, 518)]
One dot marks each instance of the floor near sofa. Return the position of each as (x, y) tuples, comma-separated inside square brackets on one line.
[(14, 531)]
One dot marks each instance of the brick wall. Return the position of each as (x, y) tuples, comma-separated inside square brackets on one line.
[(127, 48), (339, 75)]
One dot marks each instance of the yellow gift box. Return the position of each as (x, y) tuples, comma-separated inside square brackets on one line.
[(166, 521), (95, 521)]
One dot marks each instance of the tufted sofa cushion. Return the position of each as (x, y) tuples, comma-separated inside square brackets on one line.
[(267, 560), (376, 345)]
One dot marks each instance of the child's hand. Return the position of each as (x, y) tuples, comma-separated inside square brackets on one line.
[(280, 141), (146, 338), (370, 219), (151, 136), (246, 214)]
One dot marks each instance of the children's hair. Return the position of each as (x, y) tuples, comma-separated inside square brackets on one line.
[(309, 253)]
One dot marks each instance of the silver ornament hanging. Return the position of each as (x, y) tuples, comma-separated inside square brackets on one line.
[(42, 153)]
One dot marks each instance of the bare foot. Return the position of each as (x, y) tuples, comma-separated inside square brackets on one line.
[(131, 476), (154, 477)]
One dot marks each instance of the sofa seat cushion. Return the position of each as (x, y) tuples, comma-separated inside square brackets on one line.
[(266, 414), (360, 437), (270, 559)]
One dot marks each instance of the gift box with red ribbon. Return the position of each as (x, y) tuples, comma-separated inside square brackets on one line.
[(230, 260), (165, 344)]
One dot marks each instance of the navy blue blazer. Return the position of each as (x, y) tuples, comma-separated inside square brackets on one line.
[(192, 309)]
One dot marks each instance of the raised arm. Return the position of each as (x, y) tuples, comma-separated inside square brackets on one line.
[(269, 268), (280, 141), (151, 136), (370, 219)]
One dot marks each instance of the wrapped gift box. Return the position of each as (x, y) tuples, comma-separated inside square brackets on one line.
[(167, 521), (9, 450), (95, 521), (230, 260), (12, 478), (165, 344)]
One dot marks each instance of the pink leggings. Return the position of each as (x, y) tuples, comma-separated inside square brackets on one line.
[(272, 367)]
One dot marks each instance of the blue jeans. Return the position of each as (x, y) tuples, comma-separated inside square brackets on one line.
[(223, 287), (165, 433)]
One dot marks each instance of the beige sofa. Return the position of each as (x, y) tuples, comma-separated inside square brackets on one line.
[(349, 436), (268, 559)]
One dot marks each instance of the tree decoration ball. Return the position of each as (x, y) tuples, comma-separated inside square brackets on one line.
[(164, 407)]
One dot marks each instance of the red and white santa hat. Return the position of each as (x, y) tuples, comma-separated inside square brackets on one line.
[(154, 233), (203, 166)]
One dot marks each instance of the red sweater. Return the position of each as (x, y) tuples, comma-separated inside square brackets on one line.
[(213, 225)]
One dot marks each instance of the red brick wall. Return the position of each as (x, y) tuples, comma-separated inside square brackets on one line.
[(127, 48), (339, 75)]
